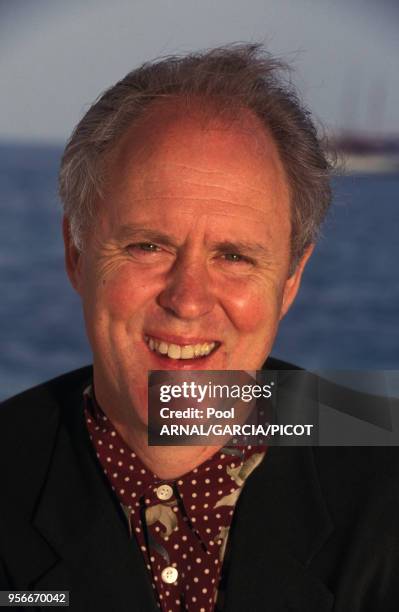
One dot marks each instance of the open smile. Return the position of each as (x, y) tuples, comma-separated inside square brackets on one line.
[(181, 350)]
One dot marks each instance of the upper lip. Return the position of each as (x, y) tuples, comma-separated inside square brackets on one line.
[(180, 340)]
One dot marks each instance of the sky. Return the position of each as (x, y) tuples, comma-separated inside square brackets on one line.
[(56, 57)]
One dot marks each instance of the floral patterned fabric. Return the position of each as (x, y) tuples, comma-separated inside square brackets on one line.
[(181, 525)]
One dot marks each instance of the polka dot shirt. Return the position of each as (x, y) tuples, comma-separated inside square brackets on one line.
[(181, 525)]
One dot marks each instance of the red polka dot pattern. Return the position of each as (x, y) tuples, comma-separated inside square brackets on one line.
[(182, 525)]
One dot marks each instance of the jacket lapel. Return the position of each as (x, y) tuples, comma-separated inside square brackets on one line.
[(280, 523)]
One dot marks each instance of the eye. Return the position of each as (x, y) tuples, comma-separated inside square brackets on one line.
[(236, 258), (144, 247), (146, 252)]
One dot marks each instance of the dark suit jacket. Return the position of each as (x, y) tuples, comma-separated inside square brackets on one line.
[(315, 529)]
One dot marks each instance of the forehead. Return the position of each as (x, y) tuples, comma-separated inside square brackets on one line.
[(175, 154)]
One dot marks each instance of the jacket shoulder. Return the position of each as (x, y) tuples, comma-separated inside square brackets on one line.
[(272, 363), (29, 423), (27, 405)]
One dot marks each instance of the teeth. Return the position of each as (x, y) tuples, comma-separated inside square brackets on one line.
[(161, 348), (187, 352), (175, 351)]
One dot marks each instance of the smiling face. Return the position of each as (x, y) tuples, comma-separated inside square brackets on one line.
[(188, 264)]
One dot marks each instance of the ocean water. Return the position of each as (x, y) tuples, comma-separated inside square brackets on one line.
[(345, 317)]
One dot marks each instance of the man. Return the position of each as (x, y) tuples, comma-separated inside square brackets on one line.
[(193, 192)]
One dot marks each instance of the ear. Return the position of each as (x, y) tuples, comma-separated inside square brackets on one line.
[(72, 257), (293, 283)]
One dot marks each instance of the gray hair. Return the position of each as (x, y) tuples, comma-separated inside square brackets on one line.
[(235, 76)]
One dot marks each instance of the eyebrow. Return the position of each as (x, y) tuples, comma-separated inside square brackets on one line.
[(243, 247)]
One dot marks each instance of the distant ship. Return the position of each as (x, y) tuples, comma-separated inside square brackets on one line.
[(363, 143), (362, 153)]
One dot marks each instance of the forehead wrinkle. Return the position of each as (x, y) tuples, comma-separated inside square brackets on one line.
[(194, 199), (184, 167), (262, 173), (188, 167), (234, 184), (203, 209)]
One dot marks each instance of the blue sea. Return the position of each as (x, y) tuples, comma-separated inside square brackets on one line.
[(346, 315)]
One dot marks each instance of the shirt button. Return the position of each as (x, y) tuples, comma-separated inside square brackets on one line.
[(169, 575), (164, 492)]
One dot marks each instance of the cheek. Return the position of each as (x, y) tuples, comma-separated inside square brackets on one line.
[(250, 307)]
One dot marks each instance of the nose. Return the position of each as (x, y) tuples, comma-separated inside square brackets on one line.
[(188, 293)]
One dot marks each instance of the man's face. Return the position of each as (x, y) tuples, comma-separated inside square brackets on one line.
[(188, 264)]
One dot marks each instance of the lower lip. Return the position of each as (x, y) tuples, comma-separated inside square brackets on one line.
[(197, 363)]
